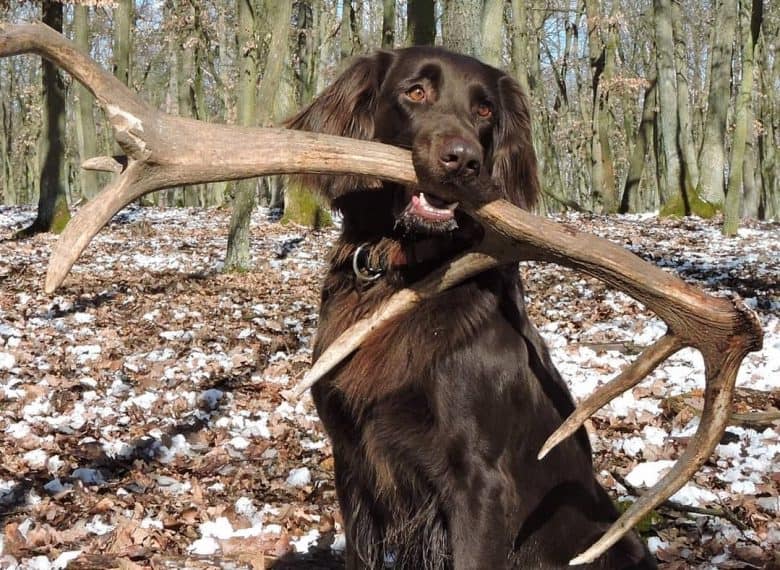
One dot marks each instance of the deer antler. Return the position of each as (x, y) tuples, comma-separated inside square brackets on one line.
[(723, 330), (165, 151)]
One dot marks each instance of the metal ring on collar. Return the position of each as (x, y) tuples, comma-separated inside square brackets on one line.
[(364, 273)]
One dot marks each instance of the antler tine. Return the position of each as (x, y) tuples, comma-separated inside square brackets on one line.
[(461, 268), (632, 375), (718, 394)]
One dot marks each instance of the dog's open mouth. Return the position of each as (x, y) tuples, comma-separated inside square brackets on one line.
[(428, 214)]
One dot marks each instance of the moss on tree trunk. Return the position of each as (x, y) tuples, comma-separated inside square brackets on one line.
[(692, 204), (304, 207)]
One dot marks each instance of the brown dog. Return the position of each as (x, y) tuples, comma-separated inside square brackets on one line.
[(437, 419)]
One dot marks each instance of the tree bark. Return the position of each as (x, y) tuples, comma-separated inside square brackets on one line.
[(123, 26), (492, 32), (85, 117), (421, 23), (602, 65), (461, 26), (388, 24), (8, 186), (685, 138), (631, 201), (712, 158), (53, 214), (669, 159), (769, 74), (238, 255), (751, 183), (520, 45), (750, 18), (348, 30)]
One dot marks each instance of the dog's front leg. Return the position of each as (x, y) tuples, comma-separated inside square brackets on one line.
[(477, 525)]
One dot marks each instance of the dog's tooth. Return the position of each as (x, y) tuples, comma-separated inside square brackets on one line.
[(451, 207)]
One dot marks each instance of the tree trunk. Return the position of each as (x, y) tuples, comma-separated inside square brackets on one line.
[(685, 140), (84, 108), (8, 193), (348, 30), (461, 26), (769, 206), (712, 158), (238, 256), (520, 47), (189, 79), (631, 199), (670, 181), (492, 32), (421, 23), (388, 24), (750, 18), (602, 65), (300, 205), (750, 181), (123, 27), (53, 212)]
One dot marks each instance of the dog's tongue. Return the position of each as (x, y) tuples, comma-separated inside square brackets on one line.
[(421, 206)]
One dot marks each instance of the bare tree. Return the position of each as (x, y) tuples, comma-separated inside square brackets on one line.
[(712, 158), (421, 23), (85, 119), (238, 256), (53, 214), (388, 24), (751, 15), (461, 26)]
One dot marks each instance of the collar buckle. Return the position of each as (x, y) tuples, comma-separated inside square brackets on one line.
[(361, 267)]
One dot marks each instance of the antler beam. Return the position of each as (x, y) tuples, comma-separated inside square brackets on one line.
[(165, 151)]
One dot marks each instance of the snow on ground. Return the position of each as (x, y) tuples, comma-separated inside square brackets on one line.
[(141, 408)]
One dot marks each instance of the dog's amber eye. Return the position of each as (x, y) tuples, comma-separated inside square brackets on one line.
[(416, 93), (484, 110)]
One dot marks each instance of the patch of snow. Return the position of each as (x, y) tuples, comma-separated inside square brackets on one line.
[(179, 335), (55, 486), (655, 543), (648, 473), (88, 476), (98, 527), (204, 547), (339, 543), (179, 446), (654, 435), (694, 496), (18, 430), (64, 559), (7, 361), (299, 477), (305, 542), (211, 398), (239, 442), (36, 458), (85, 353)]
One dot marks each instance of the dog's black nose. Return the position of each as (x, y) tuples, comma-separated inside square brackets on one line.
[(460, 158)]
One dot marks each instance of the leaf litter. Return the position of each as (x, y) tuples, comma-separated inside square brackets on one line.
[(143, 422)]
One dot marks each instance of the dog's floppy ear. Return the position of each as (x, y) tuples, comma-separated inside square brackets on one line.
[(346, 108), (514, 159)]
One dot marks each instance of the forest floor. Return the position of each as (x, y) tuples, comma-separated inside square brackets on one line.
[(143, 422)]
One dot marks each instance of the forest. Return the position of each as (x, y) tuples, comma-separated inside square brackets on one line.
[(151, 414), (638, 106)]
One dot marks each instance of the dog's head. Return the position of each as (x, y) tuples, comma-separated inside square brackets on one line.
[(467, 124)]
